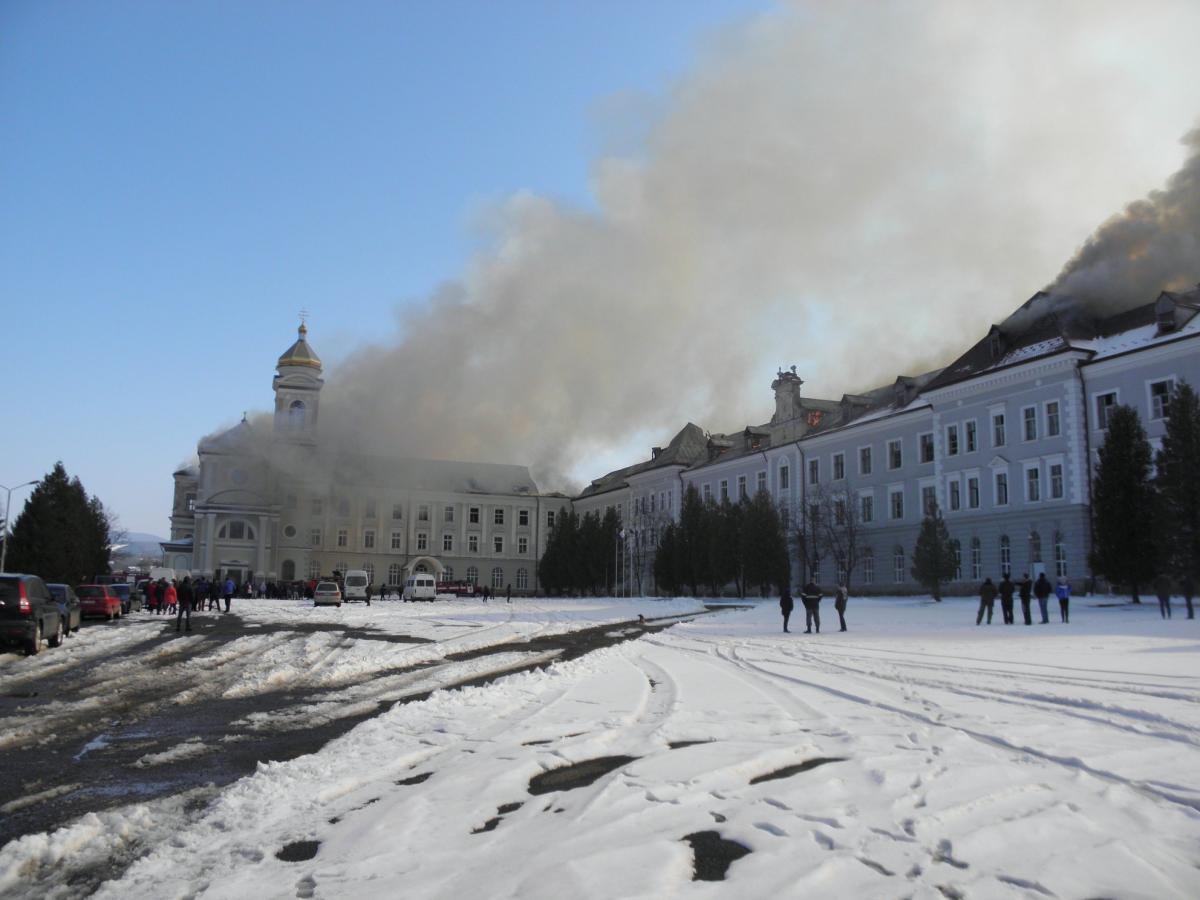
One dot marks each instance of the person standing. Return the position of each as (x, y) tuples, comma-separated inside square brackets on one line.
[(508, 594), (812, 607), (170, 597), (485, 593), (1162, 588), (1063, 592), (1041, 590), (839, 603), (230, 587), (987, 601), (185, 599), (1006, 599), (786, 605), (1026, 592), (1188, 589)]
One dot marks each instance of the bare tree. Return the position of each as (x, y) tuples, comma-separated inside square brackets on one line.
[(841, 528)]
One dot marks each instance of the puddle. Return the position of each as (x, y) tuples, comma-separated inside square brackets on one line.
[(576, 775), (789, 771), (298, 851), (415, 779), (713, 855)]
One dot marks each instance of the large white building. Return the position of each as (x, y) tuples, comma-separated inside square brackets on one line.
[(273, 502)]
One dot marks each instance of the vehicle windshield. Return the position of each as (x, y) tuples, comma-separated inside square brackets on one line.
[(121, 590), (58, 590), (327, 586), (90, 591), (356, 581)]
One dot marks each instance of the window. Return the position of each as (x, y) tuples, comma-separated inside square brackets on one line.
[(1005, 555), (955, 495), (448, 573), (972, 441), (724, 489), (522, 545), (343, 537), (1104, 405), (1033, 484), (973, 492), (784, 474), (447, 543), (314, 570), (706, 493), (472, 543), (472, 575), (522, 579), (957, 560), (1001, 489), (814, 570), (397, 511), (315, 537), (549, 518), (318, 506), (867, 508), (814, 471), (288, 572), (951, 443), (999, 438), (839, 511), (976, 559), (498, 516), (896, 503), (498, 543), (864, 460), (1053, 419), (448, 514), (369, 568), (1056, 481), (761, 483), (898, 564), (372, 509), (497, 577), (1035, 548), (296, 415), (341, 567), (397, 539), (895, 454), (868, 566), (422, 540), (785, 518), (393, 573), (839, 466), (928, 500), (523, 518), (343, 508), (1029, 423), (1060, 557), (1160, 398), (473, 517), (369, 539), (741, 487), (423, 513), (289, 531)]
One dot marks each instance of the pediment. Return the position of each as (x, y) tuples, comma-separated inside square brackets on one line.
[(998, 462)]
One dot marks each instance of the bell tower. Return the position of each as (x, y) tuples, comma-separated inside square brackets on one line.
[(297, 385)]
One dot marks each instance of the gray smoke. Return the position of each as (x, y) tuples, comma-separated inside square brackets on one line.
[(855, 189)]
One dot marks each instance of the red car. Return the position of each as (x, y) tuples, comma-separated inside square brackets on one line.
[(98, 600)]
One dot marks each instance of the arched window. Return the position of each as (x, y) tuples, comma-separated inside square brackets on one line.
[(369, 568), (448, 573), (296, 415), (957, 560), (237, 530), (522, 579), (422, 568), (976, 559), (868, 566), (1060, 556), (288, 570), (898, 568), (1035, 547), (497, 577), (472, 575), (341, 568), (314, 570), (394, 573), (1005, 555)]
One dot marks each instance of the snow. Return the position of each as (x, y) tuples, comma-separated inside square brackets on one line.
[(992, 761)]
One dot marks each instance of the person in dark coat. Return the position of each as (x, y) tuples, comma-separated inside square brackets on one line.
[(230, 590), (786, 605), (485, 593), (508, 594), (1026, 591), (1188, 589), (812, 607), (987, 601), (1162, 589), (1041, 590), (839, 603), (185, 598), (1006, 599), (1063, 592)]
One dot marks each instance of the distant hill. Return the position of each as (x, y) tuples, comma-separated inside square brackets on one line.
[(138, 543)]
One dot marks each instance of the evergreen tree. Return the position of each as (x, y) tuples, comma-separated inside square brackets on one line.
[(1125, 549), (764, 545), (1178, 481), (718, 564), (666, 560), (934, 559), (605, 551), (691, 539), (733, 561), (62, 534), (590, 558)]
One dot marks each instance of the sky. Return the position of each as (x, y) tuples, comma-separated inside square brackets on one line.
[(180, 180)]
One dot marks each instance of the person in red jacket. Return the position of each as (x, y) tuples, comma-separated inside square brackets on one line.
[(170, 597)]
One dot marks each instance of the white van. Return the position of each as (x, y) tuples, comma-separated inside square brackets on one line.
[(355, 586), (420, 587)]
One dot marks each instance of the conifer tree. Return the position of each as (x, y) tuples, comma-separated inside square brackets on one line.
[(691, 539), (934, 559), (764, 545), (1125, 549), (1178, 481), (62, 534), (666, 560)]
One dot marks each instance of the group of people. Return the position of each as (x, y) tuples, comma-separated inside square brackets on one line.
[(180, 597), (1025, 589), (1162, 589), (811, 598)]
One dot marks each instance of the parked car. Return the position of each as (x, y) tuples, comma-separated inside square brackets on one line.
[(326, 593), (29, 613), (356, 586), (130, 600), (99, 600), (68, 605)]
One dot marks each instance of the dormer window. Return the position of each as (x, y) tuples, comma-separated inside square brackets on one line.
[(994, 345)]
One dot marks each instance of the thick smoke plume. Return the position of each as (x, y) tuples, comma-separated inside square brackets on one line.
[(858, 189)]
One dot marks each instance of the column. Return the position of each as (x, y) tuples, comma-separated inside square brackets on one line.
[(263, 568), (210, 535)]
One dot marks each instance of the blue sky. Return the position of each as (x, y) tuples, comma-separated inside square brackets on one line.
[(178, 180)]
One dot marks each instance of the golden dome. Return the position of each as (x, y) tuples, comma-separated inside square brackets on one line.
[(300, 354)]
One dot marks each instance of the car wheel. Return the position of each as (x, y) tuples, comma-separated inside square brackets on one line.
[(34, 646), (339, 606), (57, 638)]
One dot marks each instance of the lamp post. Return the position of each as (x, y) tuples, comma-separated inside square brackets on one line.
[(8, 518)]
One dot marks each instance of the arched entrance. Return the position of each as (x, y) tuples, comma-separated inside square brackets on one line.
[(424, 564)]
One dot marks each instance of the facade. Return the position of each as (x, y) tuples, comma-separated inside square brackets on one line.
[(271, 502), (1003, 441)]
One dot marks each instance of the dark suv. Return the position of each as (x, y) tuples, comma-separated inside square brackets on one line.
[(29, 614)]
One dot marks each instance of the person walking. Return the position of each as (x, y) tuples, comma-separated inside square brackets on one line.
[(230, 588), (786, 605), (1063, 592), (839, 603), (987, 601), (812, 607), (1006, 599), (1188, 589), (1162, 588), (485, 593), (1025, 589), (152, 595), (185, 599), (171, 597), (508, 594), (1041, 590)]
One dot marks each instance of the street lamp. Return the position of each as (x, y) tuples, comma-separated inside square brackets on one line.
[(8, 518)]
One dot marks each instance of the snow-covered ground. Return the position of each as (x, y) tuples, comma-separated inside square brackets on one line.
[(945, 759)]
